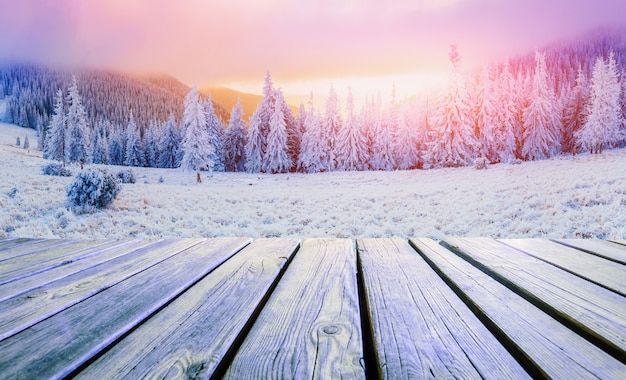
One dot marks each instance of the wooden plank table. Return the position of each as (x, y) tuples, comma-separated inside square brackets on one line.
[(312, 308)]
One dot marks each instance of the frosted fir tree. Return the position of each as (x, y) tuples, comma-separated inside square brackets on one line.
[(487, 123), (99, 148), (291, 124), (134, 150), (331, 125), (196, 146), (507, 113), (406, 146), (542, 124), (603, 124), (116, 149), (455, 144), (351, 147), (234, 141), (150, 145), (170, 145), (574, 111), (54, 148), (312, 151), (215, 131), (255, 145), (384, 126), (76, 120), (26, 143), (277, 158)]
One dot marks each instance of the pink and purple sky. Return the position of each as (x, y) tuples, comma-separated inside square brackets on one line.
[(306, 45)]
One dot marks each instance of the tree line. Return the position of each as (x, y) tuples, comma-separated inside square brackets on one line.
[(565, 99)]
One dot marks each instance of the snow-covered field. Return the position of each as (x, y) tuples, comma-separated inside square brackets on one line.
[(583, 196)]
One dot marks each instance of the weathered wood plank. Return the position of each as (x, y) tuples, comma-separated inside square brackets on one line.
[(609, 250), (310, 327), (584, 306), (20, 312), (29, 246), (421, 329), (13, 242), (545, 347), (190, 337), (598, 270), (40, 278), (61, 344), (45, 259)]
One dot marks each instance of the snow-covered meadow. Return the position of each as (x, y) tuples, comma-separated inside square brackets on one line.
[(582, 196)]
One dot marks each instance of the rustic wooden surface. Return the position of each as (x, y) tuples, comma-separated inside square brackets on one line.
[(310, 326), (416, 317), (316, 308)]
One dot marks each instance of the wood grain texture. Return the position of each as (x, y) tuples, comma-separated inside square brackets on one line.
[(422, 329), (64, 269), (588, 307), (550, 348), (310, 327), (59, 345), (192, 335), (598, 270), (29, 246), (22, 311), (13, 242), (48, 257), (607, 249)]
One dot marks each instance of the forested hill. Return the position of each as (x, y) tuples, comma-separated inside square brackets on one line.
[(565, 58), (107, 96)]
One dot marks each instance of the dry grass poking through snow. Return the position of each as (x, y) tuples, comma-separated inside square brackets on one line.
[(582, 196)]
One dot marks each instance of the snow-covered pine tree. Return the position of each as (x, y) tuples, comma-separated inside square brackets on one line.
[(26, 142), (406, 144), (134, 150), (277, 158), (150, 145), (54, 148), (384, 126), (603, 124), (294, 134), (455, 142), (351, 147), (234, 141), (312, 152), (256, 144), (116, 148), (76, 136), (507, 112), (574, 112), (487, 123), (170, 149), (331, 125), (196, 146), (541, 121), (99, 148), (215, 131)]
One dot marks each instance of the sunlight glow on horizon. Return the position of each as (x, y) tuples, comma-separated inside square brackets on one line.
[(306, 46), (407, 85)]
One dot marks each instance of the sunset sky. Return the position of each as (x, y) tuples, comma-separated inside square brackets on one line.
[(306, 45)]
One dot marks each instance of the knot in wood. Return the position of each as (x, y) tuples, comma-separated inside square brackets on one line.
[(331, 329)]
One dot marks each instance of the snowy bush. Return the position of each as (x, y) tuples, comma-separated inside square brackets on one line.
[(92, 188), (516, 161), (126, 176), (480, 163), (56, 170)]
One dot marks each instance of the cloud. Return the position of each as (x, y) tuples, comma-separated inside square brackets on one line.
[(208, 41)]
